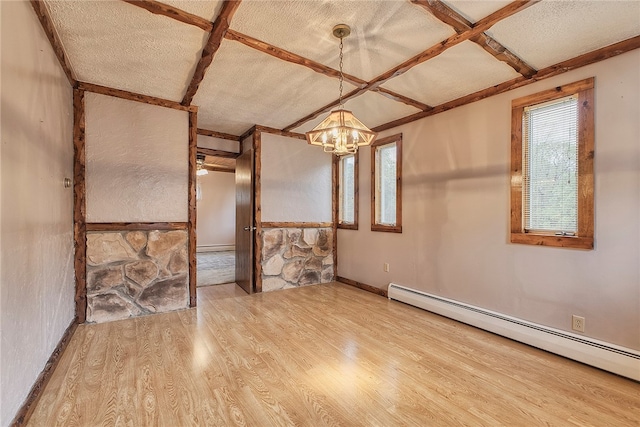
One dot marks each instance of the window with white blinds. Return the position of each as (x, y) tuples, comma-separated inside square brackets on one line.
[(552, 152), (347, 190), (550, 160)]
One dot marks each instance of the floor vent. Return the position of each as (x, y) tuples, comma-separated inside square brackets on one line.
[(610, 357)]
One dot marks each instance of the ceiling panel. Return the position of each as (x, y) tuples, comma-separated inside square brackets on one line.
[(207, 9), (371, 108), (244, 87), (461, 70), (115, 44), (384, 33), (475, 10), (553, 31)]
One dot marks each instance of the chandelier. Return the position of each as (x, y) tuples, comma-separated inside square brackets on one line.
[(341, 132)]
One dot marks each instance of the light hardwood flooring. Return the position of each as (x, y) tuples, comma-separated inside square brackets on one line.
[(324, 355)]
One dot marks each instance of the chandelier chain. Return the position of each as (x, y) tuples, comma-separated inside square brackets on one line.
[(341, 74)]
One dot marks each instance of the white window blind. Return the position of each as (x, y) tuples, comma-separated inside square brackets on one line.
[(346, 212), (550, 160), (386, 184)]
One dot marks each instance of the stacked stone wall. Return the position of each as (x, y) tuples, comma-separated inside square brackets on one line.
[(293, 257), (133, 273)]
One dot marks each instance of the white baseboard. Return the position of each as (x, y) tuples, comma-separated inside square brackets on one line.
[(215, 248), (610, 357)]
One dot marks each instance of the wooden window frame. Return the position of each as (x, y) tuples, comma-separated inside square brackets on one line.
[(356, 198), (397, 228), (584, 238)]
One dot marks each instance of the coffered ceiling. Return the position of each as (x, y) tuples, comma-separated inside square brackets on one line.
[(274, 63)]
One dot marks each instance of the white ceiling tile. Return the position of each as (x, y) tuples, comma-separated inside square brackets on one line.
[(475, 10), (370, 108), (207, 9), (461, 70), (115, 44), (383, 33), (244, 87), (553, 31)]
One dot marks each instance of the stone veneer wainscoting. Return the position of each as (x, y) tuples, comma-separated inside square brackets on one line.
[(294, 257), (133, 273)]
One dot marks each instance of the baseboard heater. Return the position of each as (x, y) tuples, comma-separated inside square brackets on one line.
[(610, 357)]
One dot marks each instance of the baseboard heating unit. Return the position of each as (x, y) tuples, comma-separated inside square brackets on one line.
[(610, 357)]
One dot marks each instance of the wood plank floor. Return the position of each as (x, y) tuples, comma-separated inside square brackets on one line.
[(324, 355)]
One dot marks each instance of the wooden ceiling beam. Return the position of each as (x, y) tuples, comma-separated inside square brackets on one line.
[(553, 70), (220, 27), (432, 52), (460, 25), (401, 98), (45, 21), (217, 153), (220, 135), (284, 55), (131, 96), (159, 8), (274, 131)]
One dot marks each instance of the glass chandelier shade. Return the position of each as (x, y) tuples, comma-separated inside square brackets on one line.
[(341, 132)]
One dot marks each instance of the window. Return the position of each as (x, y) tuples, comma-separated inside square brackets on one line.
[(386, 188), (348, 191), (552, 143)]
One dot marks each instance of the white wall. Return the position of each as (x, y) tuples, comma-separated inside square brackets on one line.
[(455, 239), (137, 161), (216, 222), (37, 280), (295, 181)]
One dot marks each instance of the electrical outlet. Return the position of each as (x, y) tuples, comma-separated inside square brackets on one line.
[(577, 323), (385, 267)]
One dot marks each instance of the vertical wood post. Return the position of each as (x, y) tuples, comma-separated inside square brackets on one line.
[(257, 153), (192, 214), (79, 205)]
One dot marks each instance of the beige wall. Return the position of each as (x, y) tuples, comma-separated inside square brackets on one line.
[(295, 181), (37, 280), (217, 209), (455, 240), (137, 161)]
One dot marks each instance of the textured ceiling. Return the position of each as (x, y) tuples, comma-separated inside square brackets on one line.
[(289, 73)]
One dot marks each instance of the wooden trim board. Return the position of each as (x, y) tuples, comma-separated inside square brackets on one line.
[(291, 224), (25, 411), (79, 205), (126, 226), (192, 213), (363, 286)]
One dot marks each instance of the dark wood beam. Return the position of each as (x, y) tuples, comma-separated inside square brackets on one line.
[(401, 98), (266, 129), (158, 8), (220, 27), (192, 203), (249, 131), (79, 205), (445, 14), (218, 153), (131, 96), (460, 25), (219, 135), (45, 21), (432, 52), (284, 55), (134, 226), (501, 53), (553, 70)]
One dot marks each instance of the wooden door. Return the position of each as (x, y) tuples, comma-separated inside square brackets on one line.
[(244, 221)]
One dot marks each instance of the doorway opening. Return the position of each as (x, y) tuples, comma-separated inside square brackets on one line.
[(216, 221)]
